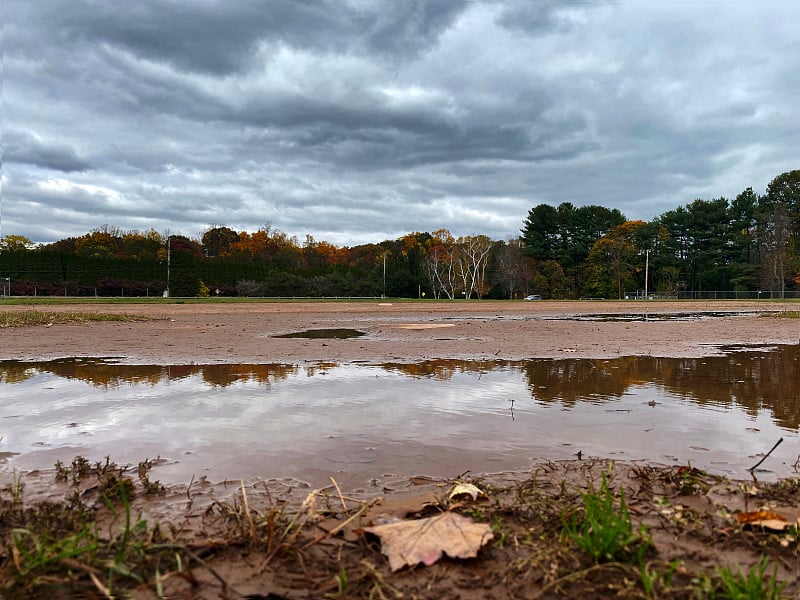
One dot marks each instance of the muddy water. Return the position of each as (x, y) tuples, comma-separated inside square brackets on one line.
[(370, 424)]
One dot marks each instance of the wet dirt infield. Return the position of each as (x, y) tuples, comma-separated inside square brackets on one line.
[(205, 333)]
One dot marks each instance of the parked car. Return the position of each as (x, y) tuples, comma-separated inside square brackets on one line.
[(533, 297)]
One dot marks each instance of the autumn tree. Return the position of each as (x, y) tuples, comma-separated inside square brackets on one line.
[(472, 257), (141, 245), (405, 270), (549, 275), (779, 231), (511, 270), (103, 242), (785, 190), (14, 243), (774, 233), (440, 263), (217, 241), (614, 259)]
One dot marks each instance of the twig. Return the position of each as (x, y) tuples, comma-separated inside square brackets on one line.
[(343, 524), (247, 513), (755, 466), (74, 564), (338, 491), (101, 588)]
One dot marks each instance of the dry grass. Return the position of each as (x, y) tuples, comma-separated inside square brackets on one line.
[(255, 540), (784, 314), (34, 318)]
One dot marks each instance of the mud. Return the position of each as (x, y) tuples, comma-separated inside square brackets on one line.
[(405, 331)]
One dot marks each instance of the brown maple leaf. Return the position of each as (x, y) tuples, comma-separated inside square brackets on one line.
[(424, 540)]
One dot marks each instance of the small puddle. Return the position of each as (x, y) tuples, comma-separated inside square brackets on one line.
[(368, 424), (647, 316), (327, 334)]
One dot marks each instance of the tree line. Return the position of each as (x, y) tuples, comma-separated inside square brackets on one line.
[(749, 243)]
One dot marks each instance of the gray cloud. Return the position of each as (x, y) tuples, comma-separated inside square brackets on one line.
[(360, 120), (27, 148)]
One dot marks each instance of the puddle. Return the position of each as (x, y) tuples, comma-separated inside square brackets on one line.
[(316, 334), (369, 424), (646, 316)]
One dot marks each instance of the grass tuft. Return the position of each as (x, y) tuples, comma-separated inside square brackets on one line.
[(606, 532), (752, 585)]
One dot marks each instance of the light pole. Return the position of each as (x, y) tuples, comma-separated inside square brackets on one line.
[(384, 274), (7, 286), (169, 257), (646, 271)]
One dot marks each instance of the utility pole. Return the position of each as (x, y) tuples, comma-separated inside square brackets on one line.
[(646, 271), (169, 257)]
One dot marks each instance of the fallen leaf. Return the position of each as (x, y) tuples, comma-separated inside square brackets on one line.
[(467, 489), (424, 540), (383, 510), (766, 519), (759, 515)]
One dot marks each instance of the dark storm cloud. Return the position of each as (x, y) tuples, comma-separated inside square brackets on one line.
[(220, 37), (214, 38), (363, 119), (26, 148)]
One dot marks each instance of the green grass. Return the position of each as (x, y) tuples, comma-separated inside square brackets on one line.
[(605, 531), (752, 585), (57, 547)]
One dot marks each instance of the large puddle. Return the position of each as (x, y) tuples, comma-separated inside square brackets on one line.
[(370, 424)]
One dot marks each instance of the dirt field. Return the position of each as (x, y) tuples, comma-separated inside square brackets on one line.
[(263, 540), (406, 331)]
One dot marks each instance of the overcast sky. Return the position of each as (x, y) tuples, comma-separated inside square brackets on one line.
[(363, 120)]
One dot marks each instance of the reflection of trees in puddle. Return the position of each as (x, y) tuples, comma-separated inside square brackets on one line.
[(444, 369), (13, 371), (753, 380), (106, 373), (572, 380)]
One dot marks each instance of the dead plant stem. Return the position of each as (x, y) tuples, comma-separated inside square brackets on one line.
[(338, 491), (364, 507), (103, 589), (755, 466), (246, 507)]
